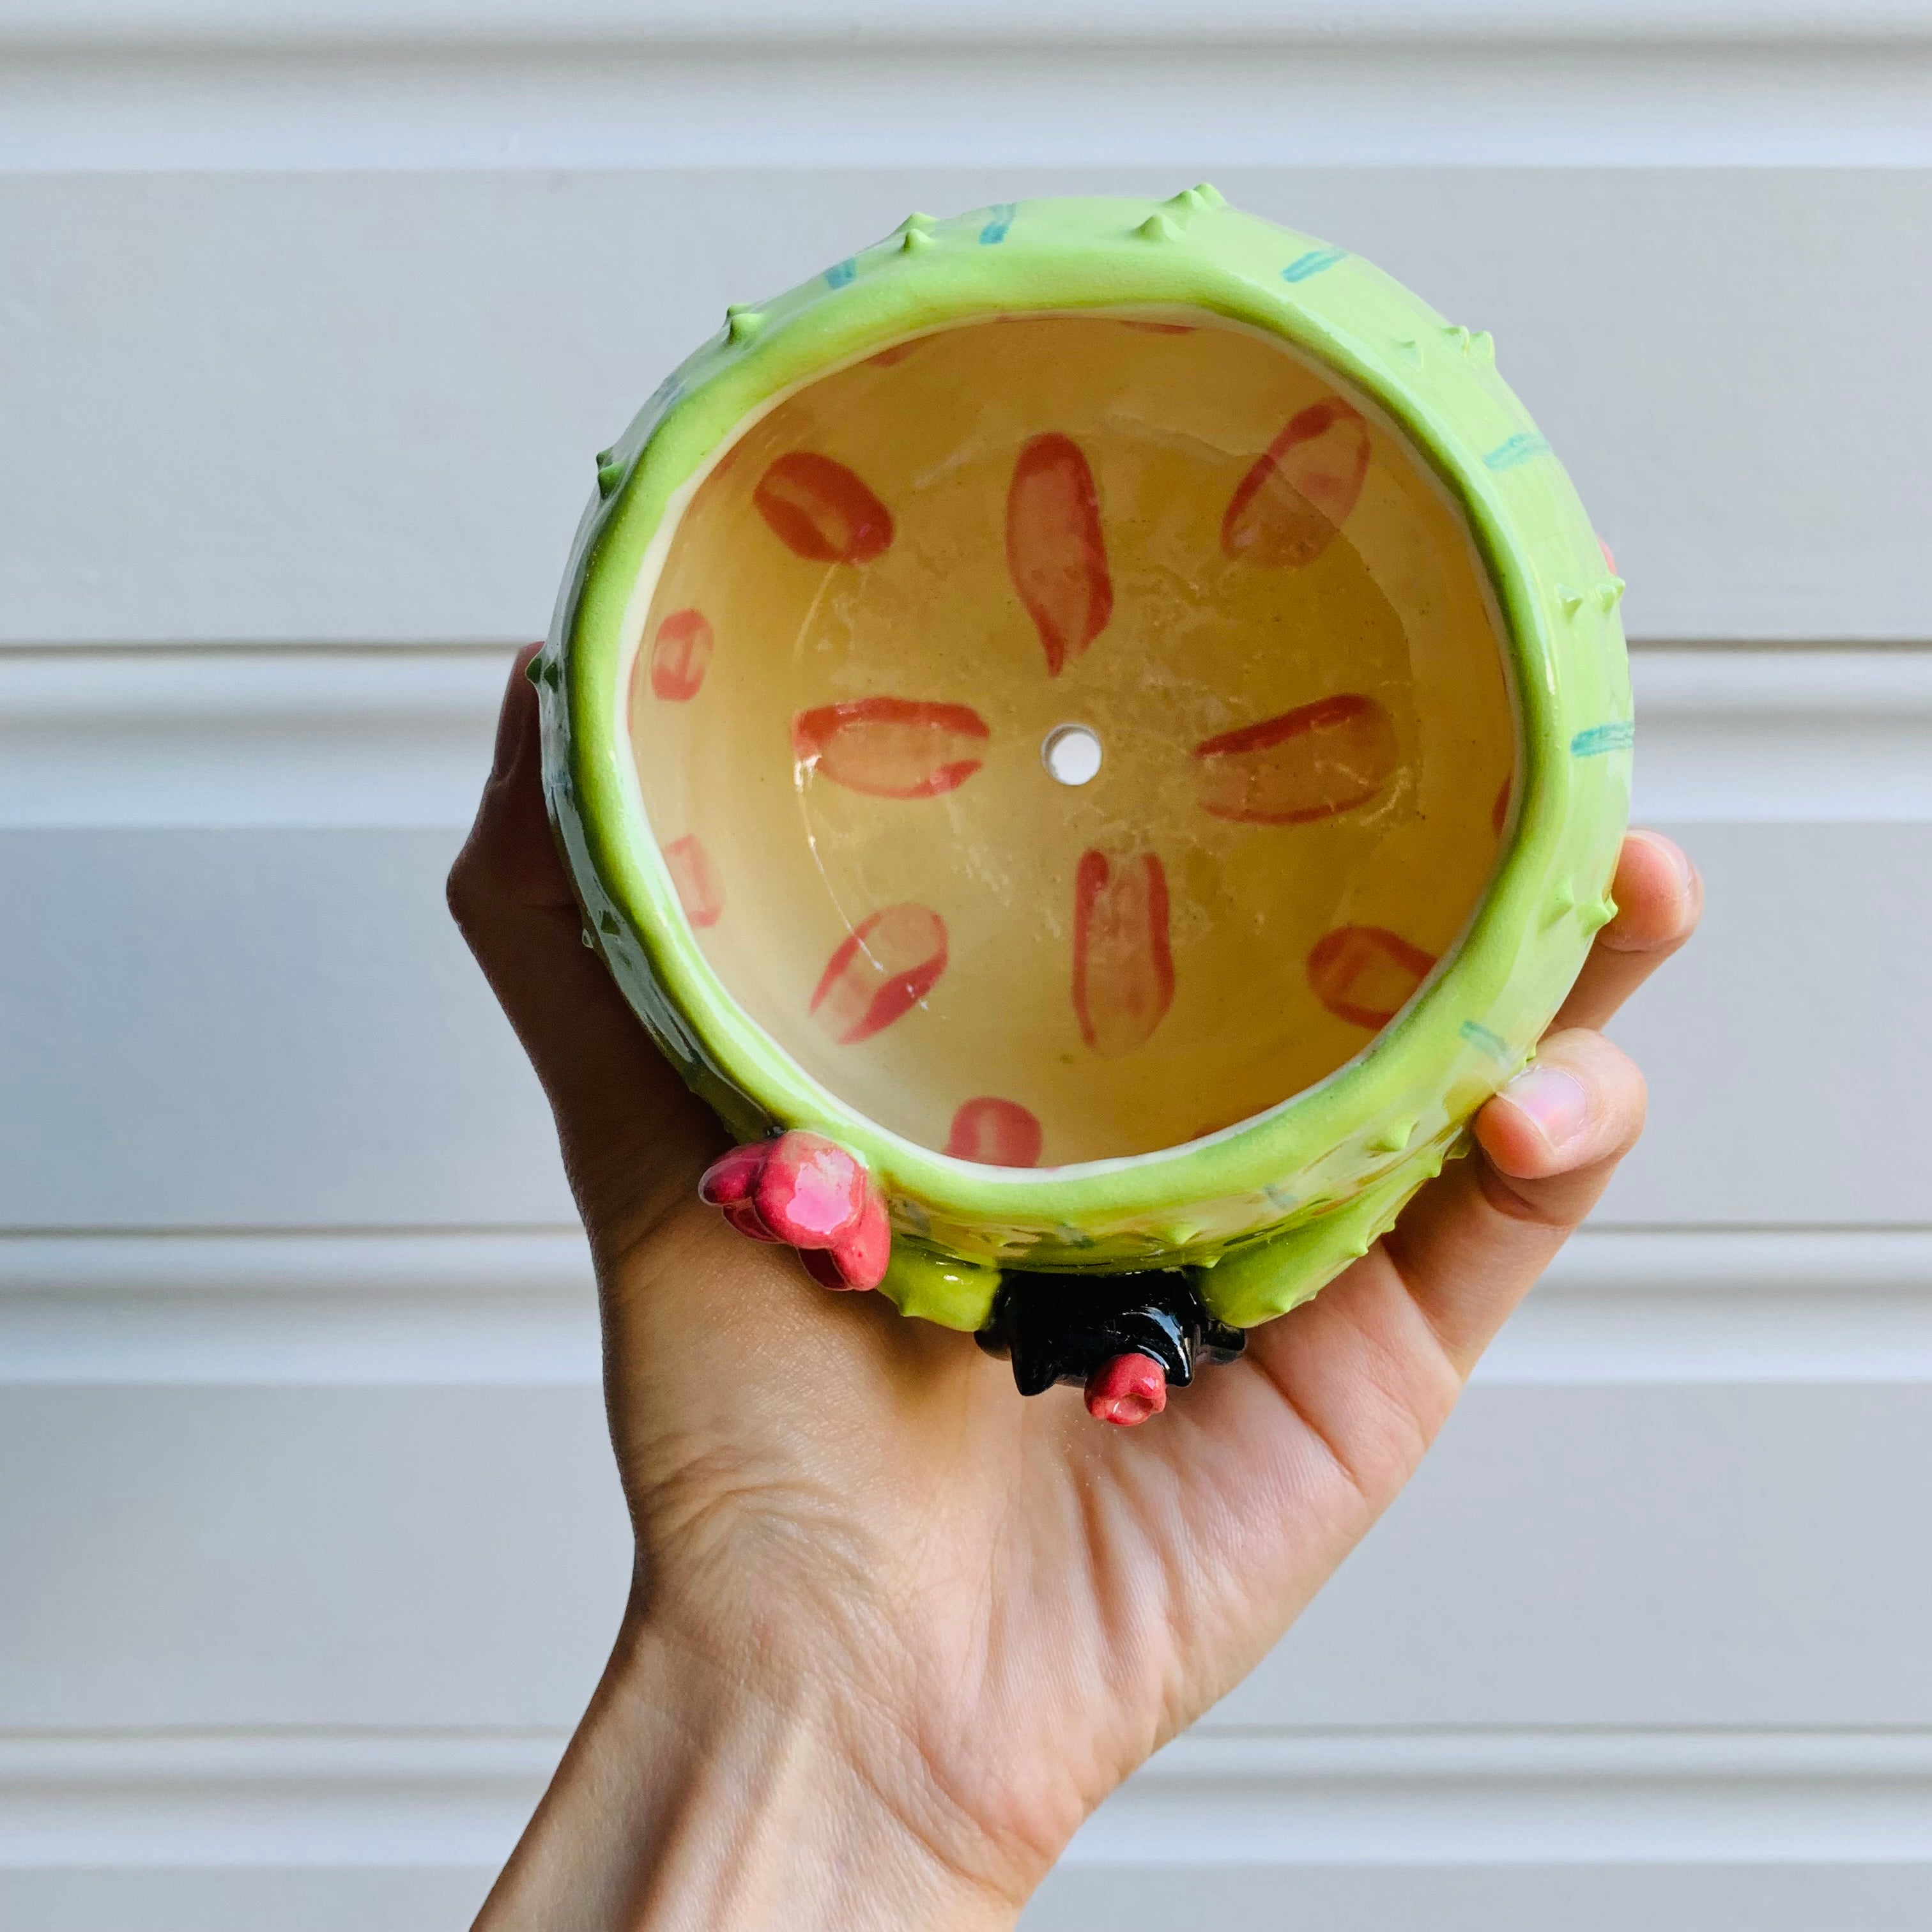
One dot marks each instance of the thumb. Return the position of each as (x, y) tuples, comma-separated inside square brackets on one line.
[(634, 1139)]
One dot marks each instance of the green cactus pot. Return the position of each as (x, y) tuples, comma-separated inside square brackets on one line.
[(1108, 713)]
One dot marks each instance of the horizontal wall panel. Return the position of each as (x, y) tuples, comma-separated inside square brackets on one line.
[(517, 1310), (313, 313), (1788, 1049), (313, 739), (233, 1557), (308, 1310), (353, 408), (219, 739), (1777, 1895), (276, 1029), (282, 1029), (1620, 1555), (1192, 102), (259, 1893), (195, 25), (1545, 1830), (1717, 1307), (1502, 1832), (1769, 737), (1571, 1795), (1727, 1556), (1556, 1832)]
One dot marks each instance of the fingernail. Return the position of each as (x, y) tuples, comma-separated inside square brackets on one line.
[(1555, 1100)]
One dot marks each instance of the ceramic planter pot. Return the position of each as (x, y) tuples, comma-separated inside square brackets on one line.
[(1095, 734)]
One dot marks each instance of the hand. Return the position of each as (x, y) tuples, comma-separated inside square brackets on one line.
[(895, 1632)]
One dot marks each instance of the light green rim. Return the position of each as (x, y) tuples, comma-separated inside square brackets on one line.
[(1472, 1025)]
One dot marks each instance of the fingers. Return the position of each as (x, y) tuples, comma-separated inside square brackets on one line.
[(1554, 1134), (1659, 897), (622, 1113), (1473, 1243), (509, 863)]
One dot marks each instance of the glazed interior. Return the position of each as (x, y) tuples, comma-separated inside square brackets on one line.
[(873, 612)]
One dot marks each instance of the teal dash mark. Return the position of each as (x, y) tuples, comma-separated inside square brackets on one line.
[(1312, 263), (1619, 735), (840, 273), (994, 232), (1477, 1034), (1519, 448)]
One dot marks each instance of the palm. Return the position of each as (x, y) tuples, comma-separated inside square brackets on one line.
[(1019, 1603), (1008, 1572)]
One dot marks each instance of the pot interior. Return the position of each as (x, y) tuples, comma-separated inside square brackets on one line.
[(1071, 735)]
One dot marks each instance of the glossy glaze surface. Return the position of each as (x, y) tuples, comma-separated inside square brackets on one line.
[(1261, 1214), (888, 591)]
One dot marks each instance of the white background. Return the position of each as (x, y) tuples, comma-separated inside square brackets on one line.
[(311, 316)]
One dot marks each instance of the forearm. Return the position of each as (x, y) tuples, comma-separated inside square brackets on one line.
[(686, 1799)]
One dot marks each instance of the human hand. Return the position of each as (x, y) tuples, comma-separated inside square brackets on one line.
[(894, 1630)]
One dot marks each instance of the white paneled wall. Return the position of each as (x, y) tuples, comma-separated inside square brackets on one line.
[(310, 318)]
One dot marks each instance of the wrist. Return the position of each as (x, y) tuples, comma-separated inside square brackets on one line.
[(695, 1795)]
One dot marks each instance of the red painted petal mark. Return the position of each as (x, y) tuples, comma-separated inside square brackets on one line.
[(1123, 968), (996, 1133), (811, 1191), (699, 889), (819, 510), (1609, 561), (1056, 552), (1158, 328), (1326, 757), (898, 353), (679, 655), (891, 747), (744, 1217), (1499, 812), (1291, 504), (732, 1176), (1126, 1389), (1366, 973), (887, 965)]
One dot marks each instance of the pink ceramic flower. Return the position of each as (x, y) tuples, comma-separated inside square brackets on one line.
[(809, 1193)]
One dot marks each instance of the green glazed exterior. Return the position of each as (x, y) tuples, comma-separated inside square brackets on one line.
[(1266, 1213)]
